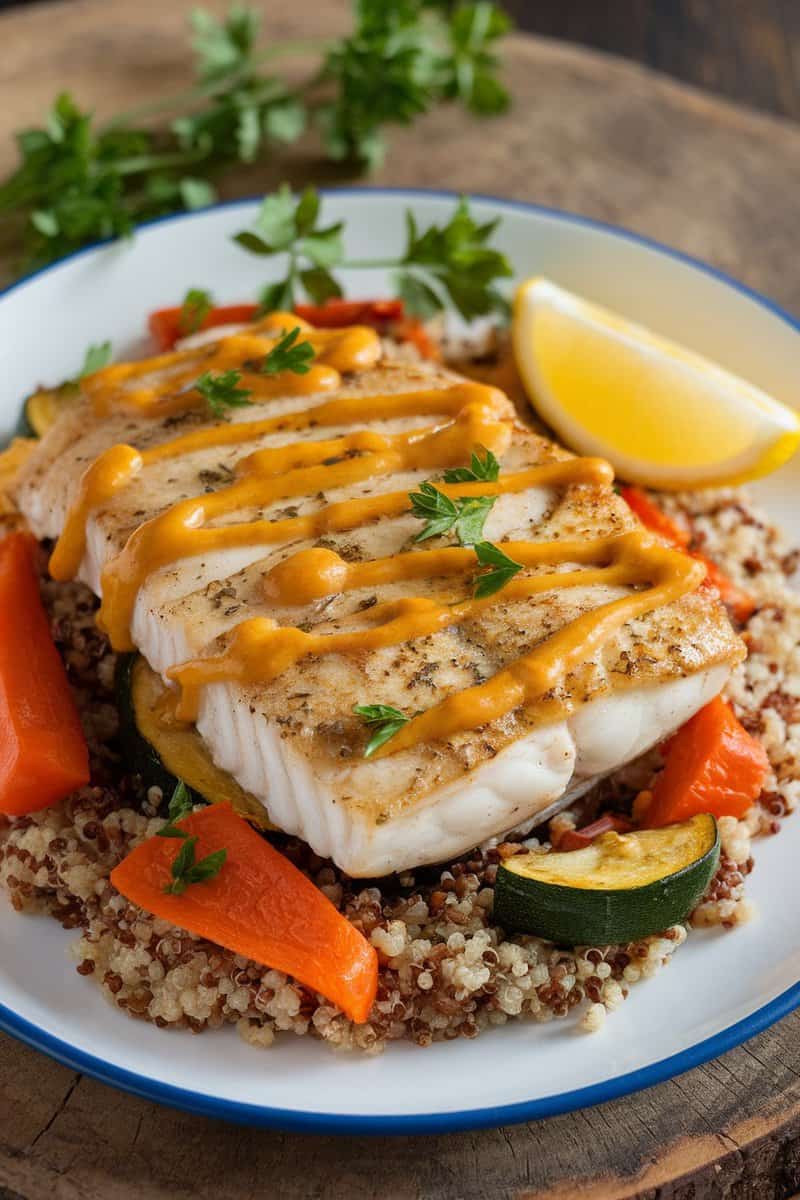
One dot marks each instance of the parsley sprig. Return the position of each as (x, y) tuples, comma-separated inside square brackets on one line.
[(383, 722), (288, 354), (501, 569), (483, 467), (464, 515), (195, 307), (180, 806), (185, 868), (448, 264), (221, 391), (80, 181)]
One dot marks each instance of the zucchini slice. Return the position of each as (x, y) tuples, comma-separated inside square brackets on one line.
[(12, 459), (163, 749), (620, 888), (43, 408)]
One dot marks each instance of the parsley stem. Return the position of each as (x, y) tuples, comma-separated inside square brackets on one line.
[(202, 91), (367, 264)]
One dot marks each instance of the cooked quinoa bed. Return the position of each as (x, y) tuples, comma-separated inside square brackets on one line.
[(446, 969)]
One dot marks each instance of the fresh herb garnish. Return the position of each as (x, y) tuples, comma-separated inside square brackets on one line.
[(288, 226), (180, 806), (186, 871), (196, 306), (452, 263), (485, 469), (465, 515), (79, 181), (222, 391), (502, 569), (384, 722), (289, 355), (95, 358)]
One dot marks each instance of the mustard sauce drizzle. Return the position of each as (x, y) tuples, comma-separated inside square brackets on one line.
[(258, 650)]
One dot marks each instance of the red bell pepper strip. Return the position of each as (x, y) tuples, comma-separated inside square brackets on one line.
[(258, 905), (43, 753), (741, 603), (336, 313), (579, 839), (166, 326), (713, 765)]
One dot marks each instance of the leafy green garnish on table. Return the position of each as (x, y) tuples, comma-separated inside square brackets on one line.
[(289, 355), (440, 265), (221, 391), (483, 467), (502, 569), (465, 515), (80, 180), (383, 721), (186, 870), (195, 307)]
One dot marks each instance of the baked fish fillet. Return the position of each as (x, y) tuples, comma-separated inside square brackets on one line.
[(295, 742)]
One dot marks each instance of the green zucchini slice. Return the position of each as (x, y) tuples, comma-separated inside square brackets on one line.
[(163, 749), (620, 888), (42, 409)]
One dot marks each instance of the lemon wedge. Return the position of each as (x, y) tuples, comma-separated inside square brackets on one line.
[(662, 415)]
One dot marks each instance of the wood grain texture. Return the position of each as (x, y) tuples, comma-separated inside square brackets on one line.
[(748, 50), (601, 137)]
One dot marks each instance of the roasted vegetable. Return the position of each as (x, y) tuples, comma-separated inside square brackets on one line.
[(163, 749), (619, 888)]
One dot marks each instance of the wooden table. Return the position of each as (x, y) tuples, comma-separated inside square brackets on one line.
[(604, 138)]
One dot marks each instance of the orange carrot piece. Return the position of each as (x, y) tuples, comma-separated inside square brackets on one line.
[(259, 905), (166, 327), (740, 603), (654, 519), (713, 765), (412, 330), (337, 312), (43, 753)]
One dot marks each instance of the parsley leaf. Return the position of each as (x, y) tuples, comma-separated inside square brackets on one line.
[(95, 358), (186, 871), (451, 263), (458, 258), (180, 805), (221, 391), (383, 721), (195, 307), (486, 468), (469, 70), (78, 181), (289, 355), (224, 47), (465, 515), (502, 570)]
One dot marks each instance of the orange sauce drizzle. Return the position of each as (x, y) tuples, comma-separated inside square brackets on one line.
[(258, 650)]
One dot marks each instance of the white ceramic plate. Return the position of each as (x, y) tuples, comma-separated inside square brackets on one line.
[(720, 989)]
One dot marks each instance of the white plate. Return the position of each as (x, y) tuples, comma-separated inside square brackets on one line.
[(721, 987)]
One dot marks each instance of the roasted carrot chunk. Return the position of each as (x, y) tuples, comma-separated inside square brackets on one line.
[(258, 905), (166, 324), (654, 519), (43, 753), (336, 313), (713, 765), (739, 602)]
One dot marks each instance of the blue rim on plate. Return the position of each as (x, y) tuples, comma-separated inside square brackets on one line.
[(433, 1123)]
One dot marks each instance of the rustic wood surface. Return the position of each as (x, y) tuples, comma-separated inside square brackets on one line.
[(610, 140)]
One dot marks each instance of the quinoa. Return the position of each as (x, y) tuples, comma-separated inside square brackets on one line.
[(446, 970)]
